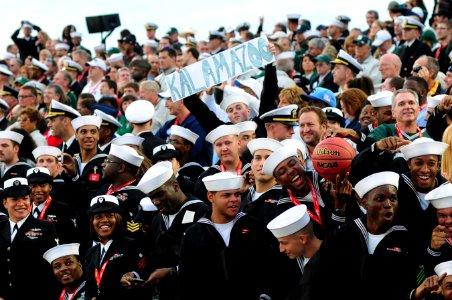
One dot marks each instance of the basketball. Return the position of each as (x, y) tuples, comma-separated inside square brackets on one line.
[(332, 156)]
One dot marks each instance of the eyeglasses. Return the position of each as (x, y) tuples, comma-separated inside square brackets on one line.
[(24, 96), (108, 161), (23, 120)]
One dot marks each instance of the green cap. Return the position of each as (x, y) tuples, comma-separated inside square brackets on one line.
[(112, 50), (323, 58), (428, 36)]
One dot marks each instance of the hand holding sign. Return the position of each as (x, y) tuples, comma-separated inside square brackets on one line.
[(220, 67)]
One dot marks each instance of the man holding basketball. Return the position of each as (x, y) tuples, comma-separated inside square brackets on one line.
[(313, 124), (327, 210)]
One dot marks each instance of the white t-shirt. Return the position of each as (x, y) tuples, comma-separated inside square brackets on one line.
[(374, 240), (225, 231)]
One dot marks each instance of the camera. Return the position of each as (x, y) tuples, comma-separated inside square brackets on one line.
[(417, 69)]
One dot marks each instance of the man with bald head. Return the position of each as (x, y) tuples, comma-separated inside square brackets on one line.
[(389, 65)]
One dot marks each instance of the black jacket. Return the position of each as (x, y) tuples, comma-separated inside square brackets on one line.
[(408, 55), (23, 259)]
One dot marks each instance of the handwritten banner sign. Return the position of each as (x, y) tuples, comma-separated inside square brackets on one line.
[(219, 68)]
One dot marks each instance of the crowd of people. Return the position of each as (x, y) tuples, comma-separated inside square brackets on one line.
[(112, 190)]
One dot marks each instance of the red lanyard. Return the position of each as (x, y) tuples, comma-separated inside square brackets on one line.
[(98, 275), (95, 87), (176, 122), (80, 77), (239, 168), (317, 217), (43, 212), (111, 190), (399, 132), (73, 295)]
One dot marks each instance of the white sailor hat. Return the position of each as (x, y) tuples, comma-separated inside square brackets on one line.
[(115, 57), (263, 144), (343, 58), (410, 23), (293, 16), (8, 55), (337, 23), (140, 111), (246, 126), (184, 133), (286, 55), (311, 34), (107, 119), (36, 64), (418, 11), (97, 62), (375, 180), (104, 203), (4, 104), (444, 267), (204, 56), (383, 98), (61, 250), (128, 139), (221, 131), (27, 25), (234, 95), (286, 114), (39, 175), (155, 177), (166, 94), (11, 135), (441, 197), (277, 35), (76, 34), (151, 43), (381, 37), (70, 65), (85, 121), (60, 109), (223, 181), (252, 83), (16, 187), (62, 46), (299, 145), (290, 221), (127, 154), (434, 101), (40, 88), (5, 71), (277, 157), (46, 150), (151, 26), (423, 146), (99, 47)]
